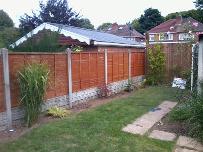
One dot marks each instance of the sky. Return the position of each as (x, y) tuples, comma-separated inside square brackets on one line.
[(101, 11)]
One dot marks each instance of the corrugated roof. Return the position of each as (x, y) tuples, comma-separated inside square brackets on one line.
[(96, 35), (93, 37)]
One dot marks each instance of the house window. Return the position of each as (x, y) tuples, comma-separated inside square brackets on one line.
[(165, 36), (185, 36), (151, 37)]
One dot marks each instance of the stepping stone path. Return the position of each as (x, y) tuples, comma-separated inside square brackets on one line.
[(162, 135), (143, 124), (184, 150), (186, 144), (147, 121)]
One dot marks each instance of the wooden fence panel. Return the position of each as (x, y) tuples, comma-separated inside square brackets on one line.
[(16, 62), (101, 70), (126, 65), (93, 75), (178, 56), (2, 105), (49, 60), (137, 63), (120, 66), (84, 71), (88, 70), (58, 80), (61, 75), (76, 72)]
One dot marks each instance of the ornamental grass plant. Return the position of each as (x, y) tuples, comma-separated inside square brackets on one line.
[(33, 80)]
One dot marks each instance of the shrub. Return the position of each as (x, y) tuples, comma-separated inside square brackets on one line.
[(58, 112), (181, 113), (33, 81), (130, 86), (196, 120), (156, 65), (191, 112), (104, 91)]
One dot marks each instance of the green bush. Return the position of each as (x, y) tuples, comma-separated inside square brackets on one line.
[(196, 120), (156, 65), (58, 112), (33, 81), (191, 112), (181, 113)]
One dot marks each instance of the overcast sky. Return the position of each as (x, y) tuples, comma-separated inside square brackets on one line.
[(100, 11)]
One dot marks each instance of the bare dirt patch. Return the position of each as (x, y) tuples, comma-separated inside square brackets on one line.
[(179, 128)]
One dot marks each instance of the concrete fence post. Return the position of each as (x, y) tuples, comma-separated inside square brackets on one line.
[(106, 66), (129, 64), (70, 89), (7, 93), (200, 66)]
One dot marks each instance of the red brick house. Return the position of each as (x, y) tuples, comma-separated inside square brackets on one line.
[(179, 30), (125, 31)]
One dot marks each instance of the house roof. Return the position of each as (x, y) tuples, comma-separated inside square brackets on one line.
[(124, 31), (92, 37), (178, 25)]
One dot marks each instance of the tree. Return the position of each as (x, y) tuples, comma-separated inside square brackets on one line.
[(54, 11), (199, 4), (196, 14), (151, 18), (5, 20), (7, 31), (104, 26), (85, 23), (135, 24), (8, 36), (27, 23)]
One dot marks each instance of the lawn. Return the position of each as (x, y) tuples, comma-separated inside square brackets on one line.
[(98, 129)]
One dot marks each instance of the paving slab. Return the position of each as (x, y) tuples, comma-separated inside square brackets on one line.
[(189, 143), (184, 150), (135, 129), (144, 123), (162, 135)]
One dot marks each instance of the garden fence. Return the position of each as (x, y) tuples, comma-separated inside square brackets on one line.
[(178, 58), (88, 70)]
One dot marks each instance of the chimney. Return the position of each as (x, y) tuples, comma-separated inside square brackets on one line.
[(114, 26)]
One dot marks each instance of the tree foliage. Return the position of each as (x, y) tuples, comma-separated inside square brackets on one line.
[(45, 41), (135, 24), (7, 31), (54, 11), (196, 14), (150, 18), (199, 4), (85, 23), (104, 26), (8, 36), (5, 20)]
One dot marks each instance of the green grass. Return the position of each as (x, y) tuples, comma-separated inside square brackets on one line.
[(98, 129)]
